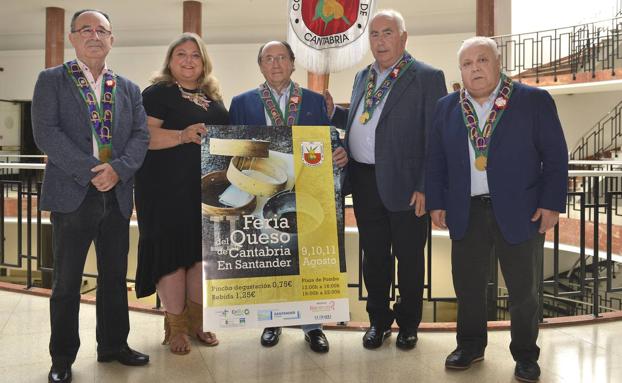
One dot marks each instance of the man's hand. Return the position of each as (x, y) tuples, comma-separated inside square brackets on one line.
[(330, 104), (106, 177), (418, 199), (548, 219), (340, 157), (438, 218)]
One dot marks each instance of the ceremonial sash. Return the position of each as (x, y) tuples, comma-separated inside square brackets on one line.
[(100, 114), (374, 97), (272, 106), (480, 138)]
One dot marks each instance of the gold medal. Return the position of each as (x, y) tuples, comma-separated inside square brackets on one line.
[(364, 117), (480, 163)]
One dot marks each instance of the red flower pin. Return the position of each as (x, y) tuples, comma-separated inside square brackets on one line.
[(110, 83), (394, 73), (294, 99)]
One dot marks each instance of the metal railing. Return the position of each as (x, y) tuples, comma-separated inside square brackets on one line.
[(595, 268), (603, 139), (588, 47)]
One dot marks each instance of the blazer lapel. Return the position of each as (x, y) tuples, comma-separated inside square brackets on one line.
[(502, 127), (359, 92), (78, 97), (397, 90), (462, 137)]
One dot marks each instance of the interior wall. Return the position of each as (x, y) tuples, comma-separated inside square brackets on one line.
[(235, 65)]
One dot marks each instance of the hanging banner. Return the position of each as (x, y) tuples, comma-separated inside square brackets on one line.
[(272, 228), (329, 35)]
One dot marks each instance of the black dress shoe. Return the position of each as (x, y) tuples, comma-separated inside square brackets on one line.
[(374, 337), (406, 339), (461, 359), (59, 374), (317, 340), (527, 371), (270, 336), (125, 356)]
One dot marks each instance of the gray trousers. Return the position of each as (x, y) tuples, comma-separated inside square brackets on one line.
[(520, 263)]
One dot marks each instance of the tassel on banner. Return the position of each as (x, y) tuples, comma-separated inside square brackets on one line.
[(329, 35)]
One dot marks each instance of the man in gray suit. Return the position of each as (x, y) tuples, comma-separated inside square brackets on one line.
[(390, 113), (91, 124)]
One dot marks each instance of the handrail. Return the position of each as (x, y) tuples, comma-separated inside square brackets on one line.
[(595, 162)]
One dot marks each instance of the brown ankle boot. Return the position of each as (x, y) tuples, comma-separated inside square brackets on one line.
[(195, 324), (176, 327)]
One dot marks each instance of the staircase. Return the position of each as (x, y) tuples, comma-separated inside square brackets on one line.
[(603, 140)]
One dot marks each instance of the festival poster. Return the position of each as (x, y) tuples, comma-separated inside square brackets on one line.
[(272, 211)]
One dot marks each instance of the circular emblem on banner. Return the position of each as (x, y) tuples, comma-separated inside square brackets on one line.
[(322, 24)]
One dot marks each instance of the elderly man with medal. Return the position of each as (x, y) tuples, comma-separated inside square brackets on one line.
[(281, 102), (496, 176), (391, 111)]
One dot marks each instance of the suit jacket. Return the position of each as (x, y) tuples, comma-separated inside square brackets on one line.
[(62, 130), (401, 132), (527, 164), (247, 109)]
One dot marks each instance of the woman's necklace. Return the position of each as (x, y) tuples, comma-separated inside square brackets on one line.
[(198, 98)]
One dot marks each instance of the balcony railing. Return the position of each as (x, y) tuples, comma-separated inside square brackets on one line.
[(592, 193), (587, 48)]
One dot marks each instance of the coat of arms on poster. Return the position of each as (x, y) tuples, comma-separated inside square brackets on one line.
[(329, 35), (312, 153)]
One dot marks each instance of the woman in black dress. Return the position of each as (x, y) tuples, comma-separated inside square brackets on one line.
[(183, 98)]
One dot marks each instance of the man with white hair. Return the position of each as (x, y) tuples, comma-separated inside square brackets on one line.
[(496, 176), (391, 111)]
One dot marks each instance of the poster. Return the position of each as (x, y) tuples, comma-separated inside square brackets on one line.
[(272, 212)]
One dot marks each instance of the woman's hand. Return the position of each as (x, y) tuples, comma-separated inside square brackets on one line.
[(192, 134)]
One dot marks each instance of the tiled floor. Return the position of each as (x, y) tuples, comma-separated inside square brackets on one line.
[(586, 353)]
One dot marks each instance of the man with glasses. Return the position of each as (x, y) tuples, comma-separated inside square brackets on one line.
[(293, 105), (91, 124)]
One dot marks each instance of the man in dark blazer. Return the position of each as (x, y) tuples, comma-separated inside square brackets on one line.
[(91, 124), (281, 102), (496, 176), (390, 113)]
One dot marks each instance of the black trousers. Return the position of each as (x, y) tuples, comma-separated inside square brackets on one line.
[(99, 220), (384, 235), (470, 262)]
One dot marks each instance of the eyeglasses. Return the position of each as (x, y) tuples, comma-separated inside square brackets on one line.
[(272, 59), (90, 32)]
